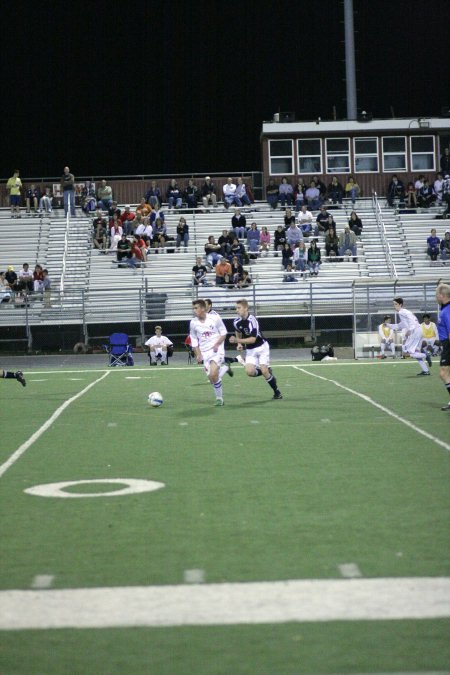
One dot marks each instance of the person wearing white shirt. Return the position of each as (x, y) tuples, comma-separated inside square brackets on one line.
[(241, 196), (438, 184), (412, 336), (305, 219), (386, 335), (158, 347), (229, 193), (207, 332)]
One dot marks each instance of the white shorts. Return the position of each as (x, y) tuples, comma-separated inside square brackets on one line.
[(413, 342), (258, 355), (218, 357), (429, 341)]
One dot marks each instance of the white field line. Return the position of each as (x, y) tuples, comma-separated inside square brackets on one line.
[(37, 434), (349, 570), (42, 581), (227, 604), (407, 423)]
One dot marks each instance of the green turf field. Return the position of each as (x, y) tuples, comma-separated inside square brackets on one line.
[(347, 476)]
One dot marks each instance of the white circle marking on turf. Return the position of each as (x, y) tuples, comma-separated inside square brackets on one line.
[(134, 486)]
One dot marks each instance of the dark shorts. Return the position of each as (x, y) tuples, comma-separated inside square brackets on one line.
[(445, 355), (14, 200)]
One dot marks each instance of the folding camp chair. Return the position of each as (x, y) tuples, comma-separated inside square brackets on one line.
[(190, 351), (119, 349)]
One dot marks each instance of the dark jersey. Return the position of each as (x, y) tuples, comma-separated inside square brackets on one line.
[(249, 327)]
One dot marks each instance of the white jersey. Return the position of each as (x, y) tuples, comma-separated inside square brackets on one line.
[(408, 321), (204, 334), (161, 341)]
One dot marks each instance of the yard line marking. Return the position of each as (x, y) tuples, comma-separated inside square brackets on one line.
[(380, 407), (305, 600), (37, 434), (349, 570), (42, 581), (194, 576)]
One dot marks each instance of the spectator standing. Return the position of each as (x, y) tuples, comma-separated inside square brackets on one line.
[(104, 196), (182, 234), (68, 188), (286, 192), (13, 187), (446, 192), (209, 193)]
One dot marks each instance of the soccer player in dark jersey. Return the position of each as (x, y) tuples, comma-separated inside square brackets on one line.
[(443, 298), (18, 375), (257, 355)]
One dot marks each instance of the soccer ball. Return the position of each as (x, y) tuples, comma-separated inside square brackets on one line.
[(155, 399)]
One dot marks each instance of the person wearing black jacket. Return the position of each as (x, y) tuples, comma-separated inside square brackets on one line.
[(279, 239), (355, 223), (396, 190)]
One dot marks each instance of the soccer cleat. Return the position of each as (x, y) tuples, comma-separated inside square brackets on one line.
[(277, 395), (229, 371), (219, 402), (446, 407), (422, 374), (240, 360), (20, 378), (428, 359)]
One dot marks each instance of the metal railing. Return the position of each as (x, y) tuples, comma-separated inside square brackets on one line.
[(384, 237)]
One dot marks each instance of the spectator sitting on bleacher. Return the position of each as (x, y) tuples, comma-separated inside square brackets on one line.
[(115, 233), (411, 196), (242, 194), (272, 193), (159, 213), (144, 229), (123, 249), (159, 235), (199, 273), (352, 190), (396, 191), (386, 335), (88, 200), (38, 278), (209, 193), (419, 183), (355, 223), (332, 244), (289, 218), (321, 187), (245, 281), (99, 238), (312, 196), (5, 289), (143, 208), (174, 195), (445, 246), (126, 220), (223, 272), (138, 221), (191, 194), (305, 220), (113, 209), (264, 242), (446, 192), (46, 201), (139, 249), (299, 194), (314, 259), (238, 223), (26, 278), (225, 241), (322, 223), (104, 196), (279, 239), (238, 249), (212, 251), (289, 274), (335, 191), (433, 245), (347, 243), (437, 187), (229, 194), (287, 255), (253, 239), (153, 195), (182, 234), (32, 197), (286, 192), (445, 161), (236, 270), (426, 196), (299, 258), (12, 278)]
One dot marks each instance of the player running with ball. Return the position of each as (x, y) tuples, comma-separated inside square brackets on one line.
[(208, 333), (257, 358)]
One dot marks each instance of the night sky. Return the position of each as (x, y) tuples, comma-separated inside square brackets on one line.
[(121, 88)]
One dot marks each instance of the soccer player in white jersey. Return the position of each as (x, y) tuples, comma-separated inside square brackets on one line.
[(412, 333), (208, 333)]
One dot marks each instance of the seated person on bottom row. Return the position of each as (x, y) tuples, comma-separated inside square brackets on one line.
[(386, 335), (157, 347), (26, 278)]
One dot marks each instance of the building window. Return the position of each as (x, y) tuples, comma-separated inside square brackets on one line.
[(309, 156), (394, 153), (281, 160), (422, 153), (366, 155), (338, 155)]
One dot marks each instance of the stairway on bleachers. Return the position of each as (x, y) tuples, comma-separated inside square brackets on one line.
[(414, 229)]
